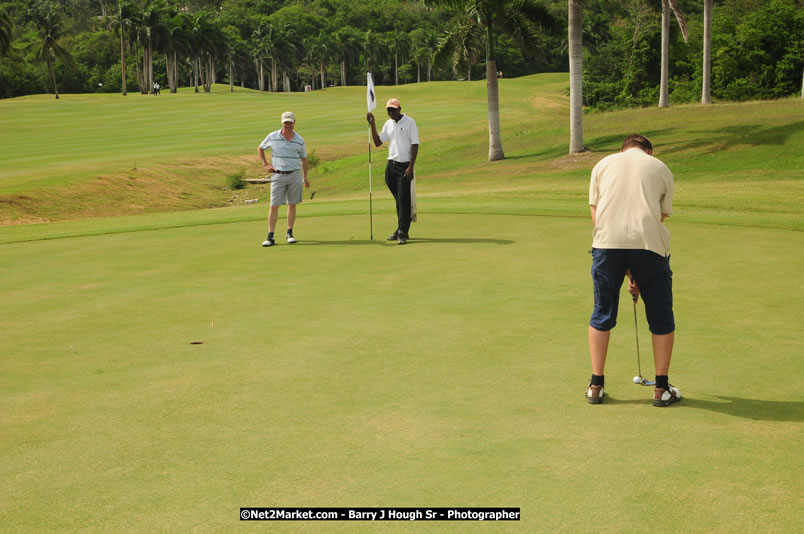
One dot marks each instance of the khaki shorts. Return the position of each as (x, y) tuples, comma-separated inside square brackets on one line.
[(286, 188)]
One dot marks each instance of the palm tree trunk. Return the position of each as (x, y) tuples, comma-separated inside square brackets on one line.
[(141, 72), (52, 73), (706, 97), (575, 30), (123, 61), (231, 75), (492, 89), (149, 72), (664, 92), (429, 71), (274, 76), (343, 73), (323, 79), (396, 68)]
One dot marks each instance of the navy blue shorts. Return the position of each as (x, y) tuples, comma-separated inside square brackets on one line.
[(653, 276)]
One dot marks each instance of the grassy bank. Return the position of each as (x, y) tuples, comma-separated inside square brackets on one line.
[(103, 155)]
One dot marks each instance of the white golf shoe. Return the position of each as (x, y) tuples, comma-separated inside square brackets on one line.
[(665, 397)]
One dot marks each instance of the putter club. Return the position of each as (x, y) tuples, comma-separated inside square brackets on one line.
[(642, 381)]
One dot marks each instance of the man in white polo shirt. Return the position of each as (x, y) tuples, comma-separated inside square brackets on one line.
[(401, 131), (289, 168), (630, 195)]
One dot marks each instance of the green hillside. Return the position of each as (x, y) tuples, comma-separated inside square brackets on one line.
[(102, 155)]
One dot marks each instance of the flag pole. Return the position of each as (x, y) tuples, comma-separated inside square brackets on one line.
[(371, 101), (371, 212)]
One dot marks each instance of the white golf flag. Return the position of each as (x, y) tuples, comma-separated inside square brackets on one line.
[(371, 96)]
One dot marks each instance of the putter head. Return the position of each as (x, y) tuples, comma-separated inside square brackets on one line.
[(312, 195), (648, 382)]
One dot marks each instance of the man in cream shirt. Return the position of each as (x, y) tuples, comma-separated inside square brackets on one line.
[(630, 195)]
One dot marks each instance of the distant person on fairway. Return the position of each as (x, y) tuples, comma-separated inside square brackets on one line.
[(630, 195), (401, 131), (289, 168)]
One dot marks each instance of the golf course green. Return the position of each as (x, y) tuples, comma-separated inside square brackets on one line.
[(159, 369)]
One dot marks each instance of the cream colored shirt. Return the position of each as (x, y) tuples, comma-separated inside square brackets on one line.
[(631, 190)]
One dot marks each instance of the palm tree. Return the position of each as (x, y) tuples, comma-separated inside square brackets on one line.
[(236, 50), (120, 22), (154, 33), (399, 43), (423, 44), (318, 52), (706, 97), (277, 44), (667, 6), (575, 35), (6, 27), (179, 40), (48, 23), (519, 19), (461, 46), (374, 49), (214, 46), (346, 42), (203, 39), (257, 50)]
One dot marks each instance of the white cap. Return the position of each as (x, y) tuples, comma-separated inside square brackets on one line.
[(288, 116)]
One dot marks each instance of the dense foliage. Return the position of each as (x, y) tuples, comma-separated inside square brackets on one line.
[(757, 52), (277, 45)]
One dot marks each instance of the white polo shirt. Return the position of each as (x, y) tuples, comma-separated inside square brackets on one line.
[(402, 135), (631, 190)]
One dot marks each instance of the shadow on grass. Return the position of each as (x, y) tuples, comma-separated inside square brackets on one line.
[(411, 241), (747, 134), (612, 143), (758, 410)]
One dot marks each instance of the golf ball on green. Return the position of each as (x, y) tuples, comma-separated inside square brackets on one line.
[(637, 380)]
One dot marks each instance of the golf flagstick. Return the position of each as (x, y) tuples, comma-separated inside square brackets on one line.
[(371, 211), (371, 103)]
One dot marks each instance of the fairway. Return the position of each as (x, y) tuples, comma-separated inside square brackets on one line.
[(159, 369), (345, 372)]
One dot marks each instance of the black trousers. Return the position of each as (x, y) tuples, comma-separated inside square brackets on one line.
[(400, 188)]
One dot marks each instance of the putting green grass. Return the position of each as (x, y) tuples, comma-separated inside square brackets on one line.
[(347, 372), (342, 371)]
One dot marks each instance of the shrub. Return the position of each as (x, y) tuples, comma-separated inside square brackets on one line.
[(235, 181), (313, 160)]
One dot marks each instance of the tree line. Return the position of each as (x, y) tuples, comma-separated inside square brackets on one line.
[(82, 46)]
